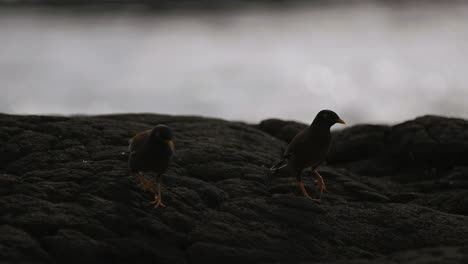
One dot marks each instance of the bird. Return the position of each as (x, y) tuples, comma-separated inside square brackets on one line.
[(151, 150), (308, 149)]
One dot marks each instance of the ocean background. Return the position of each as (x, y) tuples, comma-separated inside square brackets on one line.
[(371, 63)]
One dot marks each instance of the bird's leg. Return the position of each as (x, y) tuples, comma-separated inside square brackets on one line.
[(319, 181), (303, 189), (157, 194), (144, 183)]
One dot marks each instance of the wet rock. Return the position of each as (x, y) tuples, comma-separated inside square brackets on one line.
[(71, 246), (284, 130), (449, 255), (405, 197), (395, 193), (431, 141), (17, 245), (358, 142)]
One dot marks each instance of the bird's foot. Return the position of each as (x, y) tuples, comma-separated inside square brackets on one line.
[(306, 195), (157, 203), (304, 192), (314, 199)]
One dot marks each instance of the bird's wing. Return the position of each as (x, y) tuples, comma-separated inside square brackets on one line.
[(136, 142), (296, 143), (292, 147)]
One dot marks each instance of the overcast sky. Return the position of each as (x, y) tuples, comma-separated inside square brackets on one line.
[(368, 63)]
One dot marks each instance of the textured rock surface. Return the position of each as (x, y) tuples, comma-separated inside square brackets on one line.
[(188, 4), (397, 194)]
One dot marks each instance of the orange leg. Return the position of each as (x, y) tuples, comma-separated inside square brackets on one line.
[(144, 184), (304, 191), (157, 195), (320, 182)]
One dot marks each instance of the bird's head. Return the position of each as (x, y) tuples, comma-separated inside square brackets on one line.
[(164, 133), (328, 117)]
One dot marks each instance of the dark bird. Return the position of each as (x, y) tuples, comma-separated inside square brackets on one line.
[(151, 150), (308, 149)]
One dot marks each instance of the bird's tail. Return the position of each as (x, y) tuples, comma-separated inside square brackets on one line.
[(275, 168), (281, 164)]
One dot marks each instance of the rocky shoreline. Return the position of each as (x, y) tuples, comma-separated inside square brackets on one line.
[(397, 194)]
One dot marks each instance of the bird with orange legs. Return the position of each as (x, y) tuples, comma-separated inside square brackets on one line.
[(151, 151), (308, 149)]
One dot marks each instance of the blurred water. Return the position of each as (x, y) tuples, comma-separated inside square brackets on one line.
[(368, 63)]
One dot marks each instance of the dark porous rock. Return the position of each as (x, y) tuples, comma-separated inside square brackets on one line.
[(71, 246), (284, 130), (18, 245), (396, 194), (431, 141), (358, 142), (446, 255)]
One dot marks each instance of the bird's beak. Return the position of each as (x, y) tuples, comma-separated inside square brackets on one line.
[(341, 121), (170, 143)]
